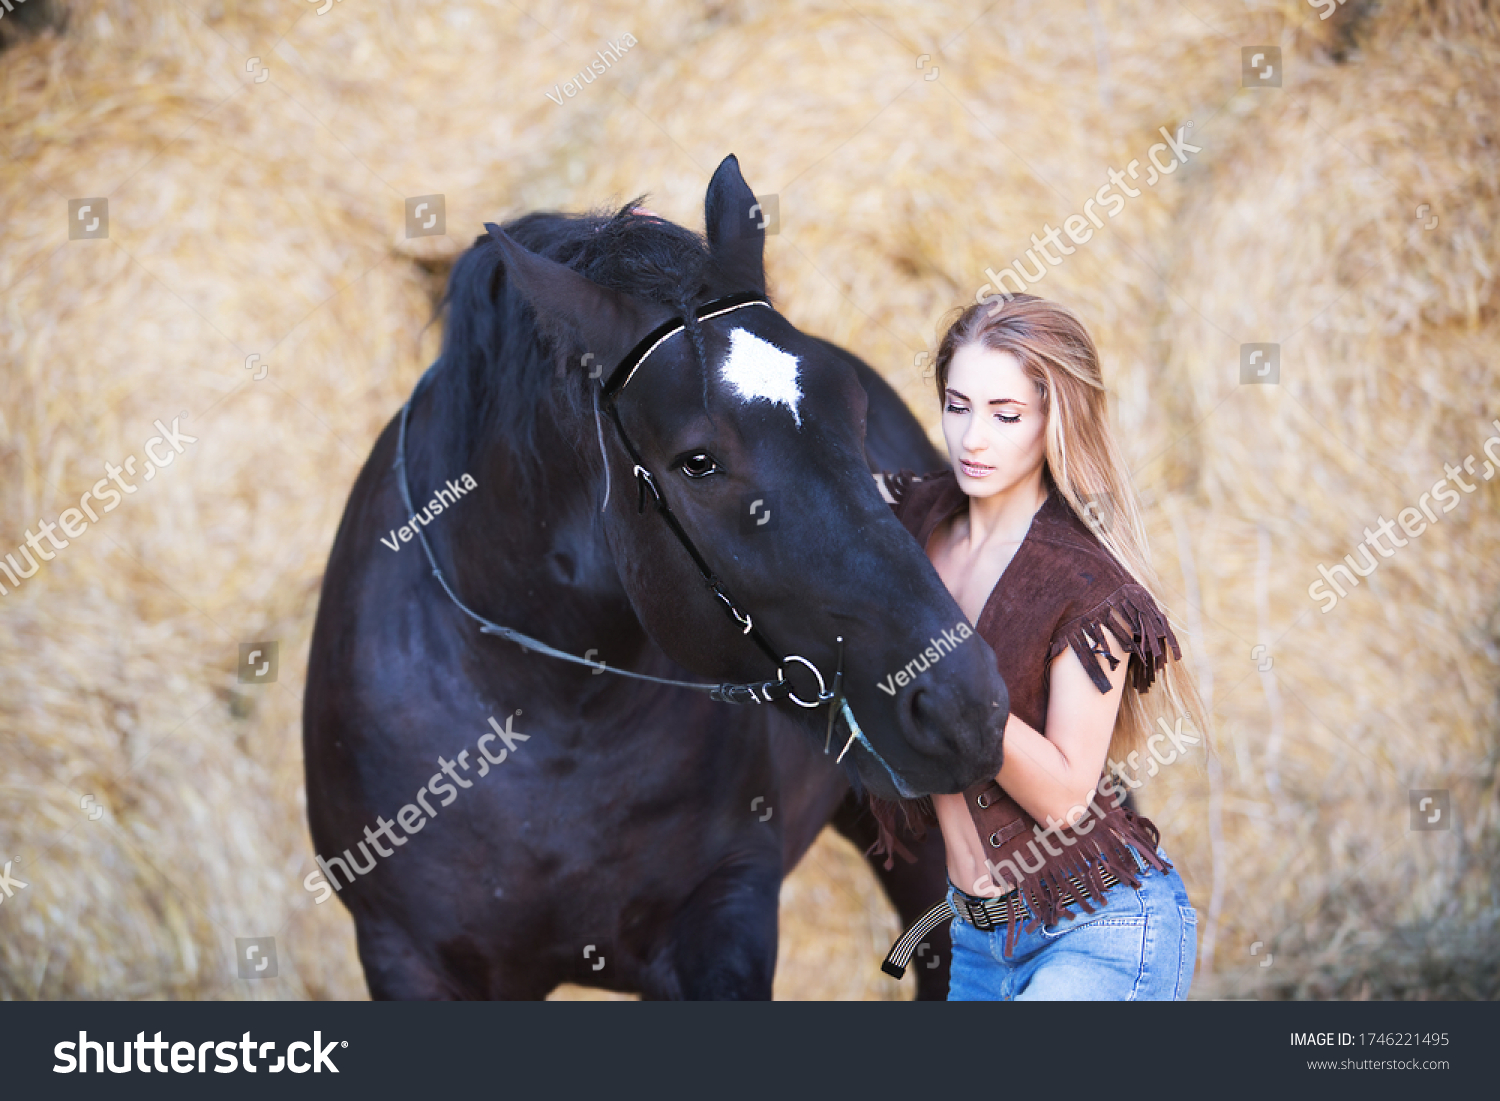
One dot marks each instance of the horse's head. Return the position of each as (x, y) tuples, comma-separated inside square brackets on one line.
[(753, 433)]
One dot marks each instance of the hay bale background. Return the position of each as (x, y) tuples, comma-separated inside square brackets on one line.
[(1388, 345), (266, 218)]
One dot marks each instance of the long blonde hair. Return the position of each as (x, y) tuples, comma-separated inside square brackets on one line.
[(1086, 467)]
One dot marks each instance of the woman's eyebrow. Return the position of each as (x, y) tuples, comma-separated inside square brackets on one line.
[(993, 401)]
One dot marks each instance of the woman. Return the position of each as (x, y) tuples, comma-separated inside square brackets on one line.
[(1057, 889)]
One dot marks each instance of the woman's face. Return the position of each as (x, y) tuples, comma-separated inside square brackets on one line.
[(992, 420)]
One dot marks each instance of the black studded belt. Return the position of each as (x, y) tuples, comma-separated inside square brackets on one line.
[(985, 914)]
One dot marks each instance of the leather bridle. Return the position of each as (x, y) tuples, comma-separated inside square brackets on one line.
[(768, 691)]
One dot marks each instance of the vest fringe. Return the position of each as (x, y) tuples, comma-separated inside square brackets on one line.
[(886, 842), (1107, 847), (1140, 627)]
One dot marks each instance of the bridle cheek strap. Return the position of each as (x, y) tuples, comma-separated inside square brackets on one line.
[(646, 481), (603, 458)]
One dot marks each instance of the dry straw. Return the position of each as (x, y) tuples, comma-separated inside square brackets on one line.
[(266, 218)]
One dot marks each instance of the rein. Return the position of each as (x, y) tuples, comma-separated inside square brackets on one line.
[(767, 691)]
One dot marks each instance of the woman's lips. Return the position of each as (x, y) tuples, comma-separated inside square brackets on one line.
[(975, 470)]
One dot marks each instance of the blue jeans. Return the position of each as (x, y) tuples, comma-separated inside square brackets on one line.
[(1139, 946)]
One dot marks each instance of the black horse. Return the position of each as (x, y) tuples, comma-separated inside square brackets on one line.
[(609, 831)]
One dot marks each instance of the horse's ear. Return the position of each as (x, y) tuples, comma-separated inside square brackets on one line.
[(609, 321), (736, 236)]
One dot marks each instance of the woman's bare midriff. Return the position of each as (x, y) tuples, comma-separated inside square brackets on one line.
[(972, 584), (966, 867)]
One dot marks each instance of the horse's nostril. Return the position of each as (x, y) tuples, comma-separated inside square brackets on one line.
[(916, 704), (924, 720)]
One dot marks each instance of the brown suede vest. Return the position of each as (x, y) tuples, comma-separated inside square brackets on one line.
[(1061, 589)]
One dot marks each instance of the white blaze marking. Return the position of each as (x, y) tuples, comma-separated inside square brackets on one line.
[(756, 368)]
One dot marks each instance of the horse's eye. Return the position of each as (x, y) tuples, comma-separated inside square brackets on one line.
[(698, 464)]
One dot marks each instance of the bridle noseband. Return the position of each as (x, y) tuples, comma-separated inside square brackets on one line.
[(768, 691)]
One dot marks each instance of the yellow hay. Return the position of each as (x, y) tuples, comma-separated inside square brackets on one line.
[(266, 218), (1314, 232)]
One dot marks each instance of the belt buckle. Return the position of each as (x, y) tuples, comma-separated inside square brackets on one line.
[(979, 918)]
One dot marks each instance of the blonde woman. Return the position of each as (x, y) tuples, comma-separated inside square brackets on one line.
[(1057, 890)]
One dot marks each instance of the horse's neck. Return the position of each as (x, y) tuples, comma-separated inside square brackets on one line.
[(534, 555)]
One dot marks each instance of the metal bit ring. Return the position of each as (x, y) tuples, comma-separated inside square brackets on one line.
[(823, 693)]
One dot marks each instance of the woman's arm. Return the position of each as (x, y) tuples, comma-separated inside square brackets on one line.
[(1052, 777)]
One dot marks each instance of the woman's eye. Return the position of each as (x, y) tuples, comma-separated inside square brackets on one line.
[(698, 464), (955, 409), (1012, 419)]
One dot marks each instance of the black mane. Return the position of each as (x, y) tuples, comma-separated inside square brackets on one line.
[(501, 368)]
